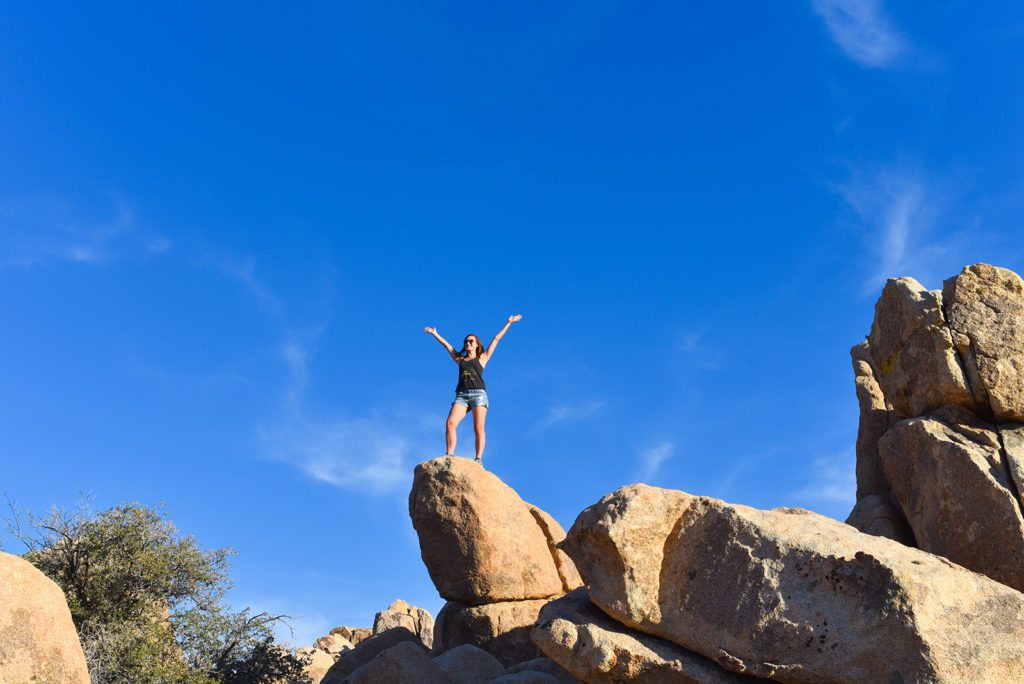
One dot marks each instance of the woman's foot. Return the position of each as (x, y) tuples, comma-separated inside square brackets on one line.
[(478, 459)]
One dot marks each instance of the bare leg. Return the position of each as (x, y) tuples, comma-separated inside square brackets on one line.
[(455, 417), (479, 418)]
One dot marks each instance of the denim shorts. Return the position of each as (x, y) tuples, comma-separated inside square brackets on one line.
[(471, 398)]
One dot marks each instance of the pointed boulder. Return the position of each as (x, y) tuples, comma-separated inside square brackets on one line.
[(479, 540)]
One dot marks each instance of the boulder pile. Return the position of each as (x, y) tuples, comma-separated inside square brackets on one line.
[(658, 586), (940, 447), (491, 555)]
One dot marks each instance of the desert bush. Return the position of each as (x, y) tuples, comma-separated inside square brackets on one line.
[(148, 602)]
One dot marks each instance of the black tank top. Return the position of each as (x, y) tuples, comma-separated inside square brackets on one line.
[(470, 375)]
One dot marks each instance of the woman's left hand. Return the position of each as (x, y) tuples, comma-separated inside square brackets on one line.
[(516, 318)]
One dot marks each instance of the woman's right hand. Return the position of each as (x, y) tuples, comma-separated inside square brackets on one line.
[(432, 331)]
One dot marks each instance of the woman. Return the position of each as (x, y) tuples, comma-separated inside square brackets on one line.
[(471, 392)]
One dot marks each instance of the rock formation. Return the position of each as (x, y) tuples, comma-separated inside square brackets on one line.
[(940, 382), (688, 589), (791, 595), (494, 557)]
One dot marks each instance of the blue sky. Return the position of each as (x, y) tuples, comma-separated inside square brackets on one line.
[(223, 228)]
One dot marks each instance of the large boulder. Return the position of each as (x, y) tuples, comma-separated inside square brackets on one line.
[(38, 640), (502, 629), (793, 596), (404, 663), (401, 614), (480, 542), (366, 650), (951, 480), (984, 307), (599, 650)]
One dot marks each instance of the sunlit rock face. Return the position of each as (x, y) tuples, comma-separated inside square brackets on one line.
[(38, 640), (491, 555), (940, 447), (791, 595)]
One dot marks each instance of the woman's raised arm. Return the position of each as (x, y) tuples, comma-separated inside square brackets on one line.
[(444, 343), (486, 356)]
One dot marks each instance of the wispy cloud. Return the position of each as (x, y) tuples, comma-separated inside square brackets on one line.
[(692, 349), (832, 485), (41, 230), (863, 30), (243, 271), (371, 454), (568, 412), (900, 211), (652, 459)]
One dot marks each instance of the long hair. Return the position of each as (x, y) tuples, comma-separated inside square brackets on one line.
[(479, 346)]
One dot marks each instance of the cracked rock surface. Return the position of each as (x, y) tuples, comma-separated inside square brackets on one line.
[(940, 446), (791, 595)]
